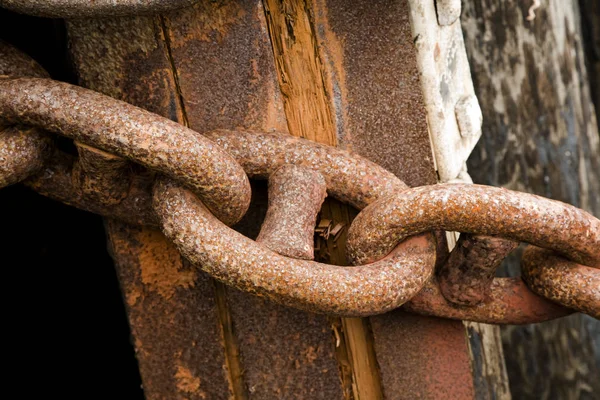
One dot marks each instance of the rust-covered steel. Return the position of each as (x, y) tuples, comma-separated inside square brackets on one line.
[(349, 177), (295, 198), (240, 262), (101, 182), (133, 133), (23, 150), (465, 278), (475, 209), (563, 281), (101, 175), (509, 301), (56, 181), (95, 8)]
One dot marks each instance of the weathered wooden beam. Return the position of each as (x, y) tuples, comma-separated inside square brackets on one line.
[(539, 135)]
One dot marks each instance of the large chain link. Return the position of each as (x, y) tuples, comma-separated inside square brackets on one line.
[(203, 187)]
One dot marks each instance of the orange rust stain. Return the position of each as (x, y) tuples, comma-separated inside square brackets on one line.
[(187, 382), (161, 266)]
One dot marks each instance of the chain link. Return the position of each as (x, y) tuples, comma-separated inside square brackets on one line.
[(188, 177)]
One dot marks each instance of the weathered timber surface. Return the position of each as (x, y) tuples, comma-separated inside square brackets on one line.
[(539, 135), (180, 352), (590, 19)]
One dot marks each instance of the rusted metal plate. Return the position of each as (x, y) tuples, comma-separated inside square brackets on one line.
[(422, 357), (372, 79), (126, 58), (224, 63), (95, 8), (173, 316), (172, 309)]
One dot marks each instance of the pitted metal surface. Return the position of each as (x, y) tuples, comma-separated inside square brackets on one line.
[(396, 265), (238, 261), (55, 181), (295, 198), (465, 278), (133, 133), (349, 177), (95, 8), (563, 281), (101, 175), (509, 301), (23, 150), (475, 209)]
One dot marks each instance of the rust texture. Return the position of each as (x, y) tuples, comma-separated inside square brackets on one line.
[(23, 150), (127, 58), (368, 55), (372, 81), (509, 301), (101, 175), (349, 177), (475, 209), (56, 181), (295, 198), (240, 262), (15, 63), (134, 133), (468, 273), (563, 281), (161, 288), (96, 8), (432, 363), (221, 54)]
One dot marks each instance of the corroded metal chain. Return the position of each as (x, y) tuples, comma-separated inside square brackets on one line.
[(195, 186)]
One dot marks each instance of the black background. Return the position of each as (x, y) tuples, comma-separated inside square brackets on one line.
[(67, 332)]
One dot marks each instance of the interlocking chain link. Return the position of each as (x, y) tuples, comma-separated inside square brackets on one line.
[(202, 187)]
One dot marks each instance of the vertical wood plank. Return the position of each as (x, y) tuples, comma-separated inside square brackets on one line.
[(540, 135)]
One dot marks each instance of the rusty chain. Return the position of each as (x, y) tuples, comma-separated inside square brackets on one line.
[(193, 186)]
